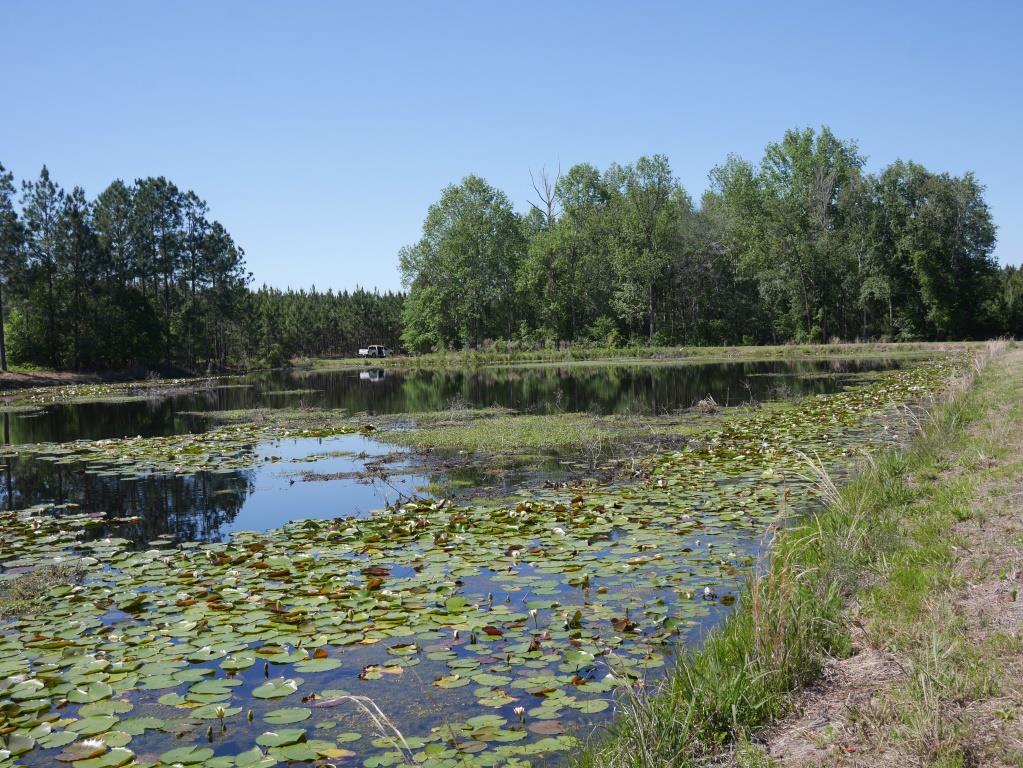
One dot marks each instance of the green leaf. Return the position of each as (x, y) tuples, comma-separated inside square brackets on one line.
[(288, 715), (187, 755), (276, 689), (281, 738)]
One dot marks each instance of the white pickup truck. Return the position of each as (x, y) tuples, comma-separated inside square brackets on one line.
[(375, 350)]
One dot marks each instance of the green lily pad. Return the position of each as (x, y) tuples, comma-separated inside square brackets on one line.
[(288, 715), (276, 689), (281, 738), (186, 755)]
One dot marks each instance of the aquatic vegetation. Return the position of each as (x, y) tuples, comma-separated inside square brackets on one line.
[(21, 594), (224, 447), (116, 391), (489, 633), (508, 433)]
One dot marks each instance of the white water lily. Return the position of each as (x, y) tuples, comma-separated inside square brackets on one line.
[(560, 531)]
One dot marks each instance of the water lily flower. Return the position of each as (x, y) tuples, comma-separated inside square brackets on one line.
[(520, 712), (560, 531)]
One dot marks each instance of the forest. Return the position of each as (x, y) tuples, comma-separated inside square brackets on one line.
[(141, 277), (804, 246)]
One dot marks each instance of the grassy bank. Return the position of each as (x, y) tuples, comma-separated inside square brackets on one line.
[(507, 355), (875, 555)]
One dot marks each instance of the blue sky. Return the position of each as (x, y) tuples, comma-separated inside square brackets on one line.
[(319, 132)]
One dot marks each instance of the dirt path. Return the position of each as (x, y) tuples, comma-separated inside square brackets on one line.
[(945, 688)]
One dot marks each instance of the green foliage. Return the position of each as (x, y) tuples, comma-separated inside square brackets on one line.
[(463, 270), (803, 247), (140, 277), (1011, 301), (137, 277), (285, 324)]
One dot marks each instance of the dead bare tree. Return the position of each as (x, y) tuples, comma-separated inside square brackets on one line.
[(546, 191)]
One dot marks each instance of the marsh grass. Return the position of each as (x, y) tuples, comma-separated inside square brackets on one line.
[(19, 595), (879, 541), (556, 434)]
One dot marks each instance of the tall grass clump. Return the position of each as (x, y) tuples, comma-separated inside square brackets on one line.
[(792, 614)]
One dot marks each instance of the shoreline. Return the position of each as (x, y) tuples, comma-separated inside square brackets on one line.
[(757, 692)]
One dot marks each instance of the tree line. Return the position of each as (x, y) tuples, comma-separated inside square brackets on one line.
[(803, 246), (141, 276)]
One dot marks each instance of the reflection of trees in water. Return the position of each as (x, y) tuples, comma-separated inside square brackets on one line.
[(623, 389), (614, 388), (159, 415), (187, 508), (197, 507)]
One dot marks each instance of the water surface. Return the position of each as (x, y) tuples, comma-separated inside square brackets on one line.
[(336, 477), (604, 389)]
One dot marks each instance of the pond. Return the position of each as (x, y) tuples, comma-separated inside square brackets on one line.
[(604, 389), (328, 477), (488, 632)]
